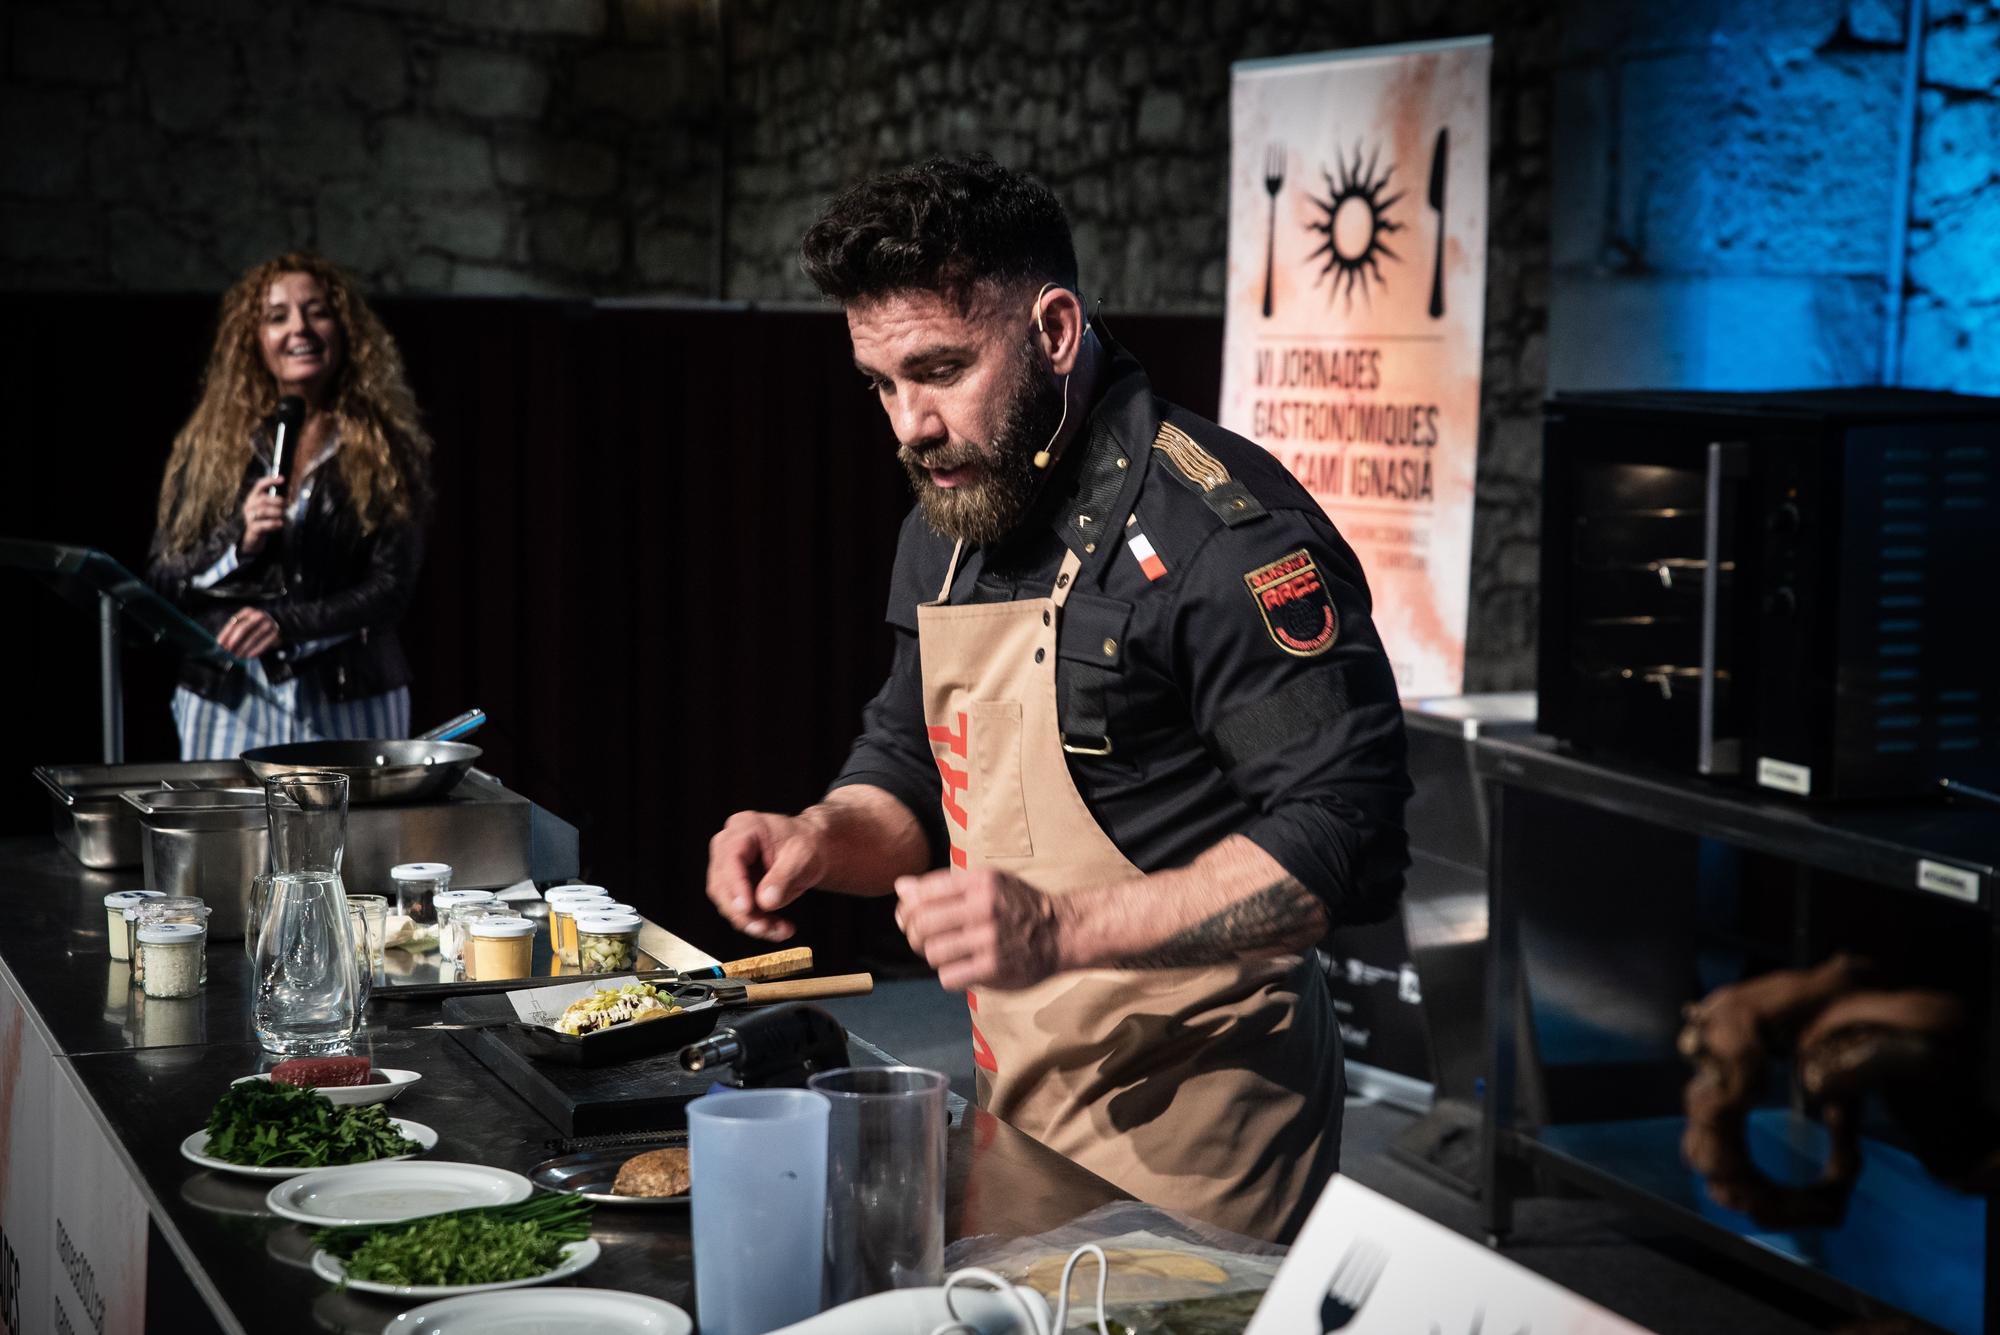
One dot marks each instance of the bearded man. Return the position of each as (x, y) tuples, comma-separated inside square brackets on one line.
[(1140, 749)]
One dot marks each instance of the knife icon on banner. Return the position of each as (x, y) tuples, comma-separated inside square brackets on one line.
[(1439, 157)]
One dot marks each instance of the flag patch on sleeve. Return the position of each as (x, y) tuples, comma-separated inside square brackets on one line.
[(1148, 559)]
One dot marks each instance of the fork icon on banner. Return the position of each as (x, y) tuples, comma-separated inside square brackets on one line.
[(1353, 1280), (1274, 181)]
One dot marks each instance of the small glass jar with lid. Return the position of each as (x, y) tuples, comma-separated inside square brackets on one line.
[(172, 952), (116, 937), (499, 947), (454, 909), (606, 942), (418, 884), (563, 901), (163, 908)]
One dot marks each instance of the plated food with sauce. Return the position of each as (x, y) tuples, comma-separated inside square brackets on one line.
[(609, 1007)]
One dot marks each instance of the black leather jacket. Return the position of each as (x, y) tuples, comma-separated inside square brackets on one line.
[(321, 577)]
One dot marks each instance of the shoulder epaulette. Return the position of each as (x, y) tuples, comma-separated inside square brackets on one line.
[(1203, 474)]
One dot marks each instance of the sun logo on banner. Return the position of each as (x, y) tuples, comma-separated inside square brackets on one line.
[(1355, 222)]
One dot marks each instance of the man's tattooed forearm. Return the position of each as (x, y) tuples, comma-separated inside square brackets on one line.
[(1281, 916)]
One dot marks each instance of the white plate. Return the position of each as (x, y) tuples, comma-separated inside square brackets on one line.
[(600, 1311), (192, 1150), (383, 1084), (577, 1257), (385, 1193)]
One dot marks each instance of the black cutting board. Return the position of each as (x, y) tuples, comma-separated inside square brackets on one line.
[(644, 1094)]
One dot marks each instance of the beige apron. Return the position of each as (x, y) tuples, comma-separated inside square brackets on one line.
[(1200, 1089)]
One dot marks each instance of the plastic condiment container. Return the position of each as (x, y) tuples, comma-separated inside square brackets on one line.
[(417, 886), (606, 942), (463, 919), (500, 948), (173, 954), (453, 908), (562, 927), (114, 919), (165, 908)]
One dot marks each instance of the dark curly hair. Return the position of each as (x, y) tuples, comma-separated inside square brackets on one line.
[(947, 225)]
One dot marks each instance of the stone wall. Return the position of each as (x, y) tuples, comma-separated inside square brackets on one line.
[(1123, 109), (568, 147), (1951, 330), (1728, 181), (469, 146)]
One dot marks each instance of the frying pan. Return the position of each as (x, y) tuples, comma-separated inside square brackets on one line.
[(378, 770)]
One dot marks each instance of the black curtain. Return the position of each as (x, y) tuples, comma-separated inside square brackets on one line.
[(658, 559)]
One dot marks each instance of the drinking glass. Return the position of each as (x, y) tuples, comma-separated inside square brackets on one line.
[(885, 1179), (307, 811), (760, 1214), (253, 917), (305, 977), (364, 977), (375, 908)]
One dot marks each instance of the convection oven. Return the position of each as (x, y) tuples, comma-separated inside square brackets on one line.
[(1793, 590)]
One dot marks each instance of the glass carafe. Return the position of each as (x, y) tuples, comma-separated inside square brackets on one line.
[(307, 813), (308, 989)]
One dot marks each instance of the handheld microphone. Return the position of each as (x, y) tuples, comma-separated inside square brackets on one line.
[(291, 416)]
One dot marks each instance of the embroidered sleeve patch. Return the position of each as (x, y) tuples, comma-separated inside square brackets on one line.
[(1297, 610)]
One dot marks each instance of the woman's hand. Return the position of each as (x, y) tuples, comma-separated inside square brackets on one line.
[(263, 514), (249, 634)]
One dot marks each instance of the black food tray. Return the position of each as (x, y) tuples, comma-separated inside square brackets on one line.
[(639, 1093)]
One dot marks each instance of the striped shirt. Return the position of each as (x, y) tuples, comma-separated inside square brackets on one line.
[(295, 711)]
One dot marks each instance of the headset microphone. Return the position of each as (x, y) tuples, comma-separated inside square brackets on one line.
[(1046, 456)]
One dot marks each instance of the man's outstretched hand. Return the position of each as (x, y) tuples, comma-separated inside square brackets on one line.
[(758, 863)]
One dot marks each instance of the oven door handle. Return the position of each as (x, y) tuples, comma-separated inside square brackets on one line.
[(1727, 464)]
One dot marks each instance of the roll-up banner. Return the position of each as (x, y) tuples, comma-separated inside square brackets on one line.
[(1355, 313)]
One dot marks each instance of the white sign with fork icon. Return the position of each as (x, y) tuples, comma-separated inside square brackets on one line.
[(1364, 1265), (1354, 314)]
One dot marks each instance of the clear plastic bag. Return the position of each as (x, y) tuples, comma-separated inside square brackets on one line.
[(1170, 1274)]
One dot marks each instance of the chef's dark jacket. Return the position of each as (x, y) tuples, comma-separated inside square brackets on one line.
[(1213, 725)]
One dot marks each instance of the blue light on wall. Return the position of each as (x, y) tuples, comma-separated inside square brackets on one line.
[(1739, 187)]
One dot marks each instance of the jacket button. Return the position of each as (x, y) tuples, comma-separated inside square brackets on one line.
[(1111, 648)]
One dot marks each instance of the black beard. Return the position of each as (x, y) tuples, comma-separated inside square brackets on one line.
[(986, 510)]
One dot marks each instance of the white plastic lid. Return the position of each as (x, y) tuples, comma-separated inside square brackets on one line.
[(124, 899), (168, 933), (608, 924), (502, 927), (560, 892), (448, 898), (419, 871)]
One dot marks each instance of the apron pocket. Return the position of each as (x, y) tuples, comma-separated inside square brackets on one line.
[(999, 812)]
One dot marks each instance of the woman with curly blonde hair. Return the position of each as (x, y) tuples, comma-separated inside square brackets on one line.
[(303, 573)]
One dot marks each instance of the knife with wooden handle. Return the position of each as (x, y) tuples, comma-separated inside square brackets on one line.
[(757, 968), (734, 992)]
